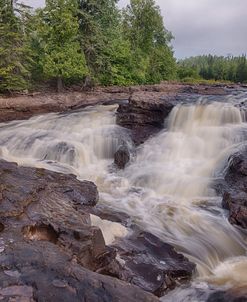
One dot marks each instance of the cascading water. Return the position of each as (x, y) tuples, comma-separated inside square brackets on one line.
[(167, 187)]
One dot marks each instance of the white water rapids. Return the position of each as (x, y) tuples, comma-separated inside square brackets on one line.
[(167, 187)]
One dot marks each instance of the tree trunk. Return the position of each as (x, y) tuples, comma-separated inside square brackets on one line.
[(59, 85)]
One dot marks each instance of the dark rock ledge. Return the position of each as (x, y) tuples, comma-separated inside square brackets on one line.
[(50, 252), (235, 189), (146, 110), (144, 114)]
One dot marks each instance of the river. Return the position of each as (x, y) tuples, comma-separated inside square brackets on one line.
[(167, 188)]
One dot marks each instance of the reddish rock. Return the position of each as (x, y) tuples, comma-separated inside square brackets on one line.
[(50, 252)]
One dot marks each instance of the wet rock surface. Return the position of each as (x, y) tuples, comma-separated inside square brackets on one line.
[(148, 106), (122, 157), (48, 249), (235, 189), (151, 264), (144, 114), (228, 296)]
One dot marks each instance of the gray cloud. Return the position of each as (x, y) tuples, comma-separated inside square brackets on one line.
[(206, 26), (34, 3), (202, 26)]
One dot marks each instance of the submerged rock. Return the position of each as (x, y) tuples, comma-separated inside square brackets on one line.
[(235, 190), (122, 157)]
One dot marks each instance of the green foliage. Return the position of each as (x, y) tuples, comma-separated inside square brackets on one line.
[(15, 58), (143, 26), (162, 65), (60, 53), (216, 68), (69, 40), (99, 24)]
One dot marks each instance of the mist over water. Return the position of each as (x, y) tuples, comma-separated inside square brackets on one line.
[(167, 188)]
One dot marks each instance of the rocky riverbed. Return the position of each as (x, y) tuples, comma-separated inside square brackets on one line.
[(57, 243)]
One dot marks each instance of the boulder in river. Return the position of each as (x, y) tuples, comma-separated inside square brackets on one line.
[(122, 157), (144, 114), (49, 250)]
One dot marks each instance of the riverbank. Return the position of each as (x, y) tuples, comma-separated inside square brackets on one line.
[(27, 105)]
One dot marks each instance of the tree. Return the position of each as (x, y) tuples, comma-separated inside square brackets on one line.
[(143, 26), (15, 58), (99, 30), (216, 67), (61, 57)]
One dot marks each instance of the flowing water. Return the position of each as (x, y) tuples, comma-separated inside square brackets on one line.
[(166, 189)]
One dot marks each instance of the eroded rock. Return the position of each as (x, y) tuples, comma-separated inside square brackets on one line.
[(48, 243)]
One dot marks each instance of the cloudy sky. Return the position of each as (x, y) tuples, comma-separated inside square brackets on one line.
[(202, 26)]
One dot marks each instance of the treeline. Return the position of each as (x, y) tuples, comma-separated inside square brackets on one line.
[(217, 68), (83, 41)]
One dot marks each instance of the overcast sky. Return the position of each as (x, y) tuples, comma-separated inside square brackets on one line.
[(202, 26)]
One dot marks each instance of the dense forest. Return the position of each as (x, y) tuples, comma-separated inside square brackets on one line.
[(83, 41), (90, 42), (218, 68)]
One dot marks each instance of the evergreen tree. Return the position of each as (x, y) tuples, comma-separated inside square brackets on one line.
[(15, 58), (100, 32), (144, 27), (216, 68), (61, 58)]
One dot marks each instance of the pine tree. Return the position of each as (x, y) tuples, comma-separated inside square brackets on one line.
[(99, 30), (61, 57), (15, 59)]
